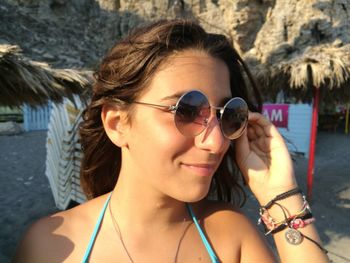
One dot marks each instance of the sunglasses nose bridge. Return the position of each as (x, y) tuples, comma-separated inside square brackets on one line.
[(214, 112), (217, 111)]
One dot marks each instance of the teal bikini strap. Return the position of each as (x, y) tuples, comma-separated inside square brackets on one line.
[(94, 234), (212, 255)]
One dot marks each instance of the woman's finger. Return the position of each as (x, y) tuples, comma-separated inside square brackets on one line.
[(251, 133), (258, 130), (242, 148), (264, 124), (258, 118)]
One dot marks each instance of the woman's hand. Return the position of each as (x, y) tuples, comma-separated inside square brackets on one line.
[(264, 160)]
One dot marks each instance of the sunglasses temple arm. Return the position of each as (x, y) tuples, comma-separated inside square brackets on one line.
[(166, 107)]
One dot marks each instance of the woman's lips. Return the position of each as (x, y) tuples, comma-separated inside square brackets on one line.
[(200, 169)]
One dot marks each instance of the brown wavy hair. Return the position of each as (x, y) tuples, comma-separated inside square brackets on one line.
[(125, 72)]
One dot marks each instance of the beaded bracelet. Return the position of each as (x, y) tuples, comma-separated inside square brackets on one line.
[(300, 223), (292, 222), (288, 223)]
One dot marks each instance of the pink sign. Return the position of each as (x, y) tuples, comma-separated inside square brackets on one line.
[(277, 114)]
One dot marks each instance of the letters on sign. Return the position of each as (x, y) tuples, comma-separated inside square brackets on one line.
[(277, 114)]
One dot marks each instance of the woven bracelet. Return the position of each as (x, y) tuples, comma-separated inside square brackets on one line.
[(281, 197)]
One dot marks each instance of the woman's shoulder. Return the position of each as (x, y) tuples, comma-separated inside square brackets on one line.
[(227, 226), (223, 217), (61, 235)]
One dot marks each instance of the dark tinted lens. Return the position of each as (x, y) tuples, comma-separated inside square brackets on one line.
[(234, 118), (192, 112)]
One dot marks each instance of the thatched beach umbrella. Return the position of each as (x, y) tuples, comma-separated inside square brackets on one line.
[(34, 83), (303, 48), (325, 66)]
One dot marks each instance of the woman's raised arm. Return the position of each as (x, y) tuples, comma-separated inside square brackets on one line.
[(265, 162)]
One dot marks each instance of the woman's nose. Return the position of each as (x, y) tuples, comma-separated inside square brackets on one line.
[(212, 138)]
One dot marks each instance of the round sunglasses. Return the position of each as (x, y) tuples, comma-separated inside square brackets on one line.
[(192, 112)]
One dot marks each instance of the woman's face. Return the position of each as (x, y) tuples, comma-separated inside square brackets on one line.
[(163, 158)]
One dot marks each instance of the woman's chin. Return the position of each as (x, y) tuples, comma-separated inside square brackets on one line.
[(195, 195)]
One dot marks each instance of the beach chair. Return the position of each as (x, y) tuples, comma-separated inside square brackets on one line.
[(62, 148)]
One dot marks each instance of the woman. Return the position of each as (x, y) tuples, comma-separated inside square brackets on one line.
[(167, 132)]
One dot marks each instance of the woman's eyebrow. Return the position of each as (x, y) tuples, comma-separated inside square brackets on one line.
[(177, 95), (174, 96)]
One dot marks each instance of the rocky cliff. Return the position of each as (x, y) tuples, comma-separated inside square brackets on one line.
[(77, 33), (268, 33)]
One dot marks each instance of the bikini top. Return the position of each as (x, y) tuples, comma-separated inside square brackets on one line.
[(207, 245)]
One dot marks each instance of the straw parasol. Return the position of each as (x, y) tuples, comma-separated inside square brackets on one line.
[(325, 67), (34, 83), (303, 48), (304, 44)]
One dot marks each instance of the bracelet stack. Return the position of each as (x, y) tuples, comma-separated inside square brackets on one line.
[(292, 223), (300, 219)]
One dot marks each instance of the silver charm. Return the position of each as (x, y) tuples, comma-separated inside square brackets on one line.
[(293, 236)]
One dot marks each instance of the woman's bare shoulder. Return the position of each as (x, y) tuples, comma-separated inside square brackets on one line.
[(60, 236), (223, 217), (227, 226)]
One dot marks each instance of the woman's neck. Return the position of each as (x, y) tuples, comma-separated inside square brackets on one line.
[(140, 205)]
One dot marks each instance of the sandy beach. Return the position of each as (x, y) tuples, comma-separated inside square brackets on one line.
[(26, 196)]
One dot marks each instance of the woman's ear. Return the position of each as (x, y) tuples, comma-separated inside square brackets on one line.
[(115, 124)]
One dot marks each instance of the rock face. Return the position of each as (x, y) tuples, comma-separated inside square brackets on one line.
[(77, 33), (305, 24), (56, 34)]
